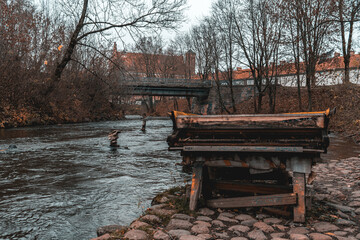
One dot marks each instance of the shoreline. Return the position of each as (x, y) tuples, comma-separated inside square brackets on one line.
[(335, 214), (50, 121)]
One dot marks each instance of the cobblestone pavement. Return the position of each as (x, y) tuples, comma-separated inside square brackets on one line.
[(335, 214)]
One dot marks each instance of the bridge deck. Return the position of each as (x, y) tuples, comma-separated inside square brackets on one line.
[(169, 87), (169, 82)]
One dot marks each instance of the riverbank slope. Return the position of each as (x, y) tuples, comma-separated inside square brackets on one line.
[(12, 116)]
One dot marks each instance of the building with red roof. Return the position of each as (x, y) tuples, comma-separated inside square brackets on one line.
[(156, 65), (329, 71)]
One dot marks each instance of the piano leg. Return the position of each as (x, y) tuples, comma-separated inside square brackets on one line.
[(299, 187), (197, 178)]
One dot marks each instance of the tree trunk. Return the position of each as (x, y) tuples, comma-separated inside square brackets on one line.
[(313, 80), (272, 97), (151, 104), (259, 88), (189, 103), (259, 102), (346, 48), (255, 105), (230, 72), (231, 89), (297, 65), (232, 99), (347, 69), (69, 51), (298, 87), (221, 101), (308, 86), (176, 105)]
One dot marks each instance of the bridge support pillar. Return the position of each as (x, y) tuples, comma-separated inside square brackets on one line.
[(151, 104)]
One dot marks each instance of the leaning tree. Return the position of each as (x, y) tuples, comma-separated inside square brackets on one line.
[(120, 17)]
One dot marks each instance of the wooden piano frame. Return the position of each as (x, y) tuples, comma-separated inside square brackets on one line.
[(281, 143)]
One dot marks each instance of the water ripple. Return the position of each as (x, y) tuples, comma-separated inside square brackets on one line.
[(62, 182)]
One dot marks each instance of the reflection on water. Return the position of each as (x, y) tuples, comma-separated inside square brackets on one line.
[(62, 182)]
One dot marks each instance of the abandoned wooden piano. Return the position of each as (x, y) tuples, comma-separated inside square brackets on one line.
[(259, 160)]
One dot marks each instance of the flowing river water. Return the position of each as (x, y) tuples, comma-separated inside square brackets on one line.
[(63, 181)]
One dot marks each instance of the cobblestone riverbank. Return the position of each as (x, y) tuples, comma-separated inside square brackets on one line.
[(335, 214)]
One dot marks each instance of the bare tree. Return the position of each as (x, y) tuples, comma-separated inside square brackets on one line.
[(259, 31), (315, 27), (203, 48), (348, 13), (31, 39), (147, 61), (217, 51), (224, 15), (99, 17), (26, 34), (292, 48), (182, 44), (169, 64), (205, 41)]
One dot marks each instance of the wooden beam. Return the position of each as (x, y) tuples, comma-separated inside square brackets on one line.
[(299, 187), (277, 211), (256, 201), (279, 141), (195, 186), (251, 188), (242, 149), (226, 163), (316, 120)]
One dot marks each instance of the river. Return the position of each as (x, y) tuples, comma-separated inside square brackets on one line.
[(63, 181)]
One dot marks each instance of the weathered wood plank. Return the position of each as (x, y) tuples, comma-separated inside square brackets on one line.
[(242, 149), (195, 186), (299, 187), (308, 147), (256, 201), (247, 121), (243, 140), (249, 117), (277, 211), (226, 163), (251, 188), (244, 132)]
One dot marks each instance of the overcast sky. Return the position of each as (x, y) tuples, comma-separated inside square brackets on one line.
[(197, 9)]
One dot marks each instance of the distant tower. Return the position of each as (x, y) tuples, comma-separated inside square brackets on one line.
[(190, 63), (114, 49)]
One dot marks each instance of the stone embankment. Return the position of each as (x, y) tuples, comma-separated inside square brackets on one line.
[(335, 214)]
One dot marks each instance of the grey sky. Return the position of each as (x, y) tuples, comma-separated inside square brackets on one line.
[(197, 10)]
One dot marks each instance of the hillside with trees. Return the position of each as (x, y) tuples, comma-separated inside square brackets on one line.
[(55, 57)]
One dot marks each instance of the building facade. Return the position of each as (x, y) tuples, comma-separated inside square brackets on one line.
[(170, 65)]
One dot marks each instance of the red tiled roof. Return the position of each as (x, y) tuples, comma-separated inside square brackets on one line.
[(289, 68), (157, 64)]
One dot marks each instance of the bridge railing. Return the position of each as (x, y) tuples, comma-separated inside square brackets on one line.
[(169, 82)]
